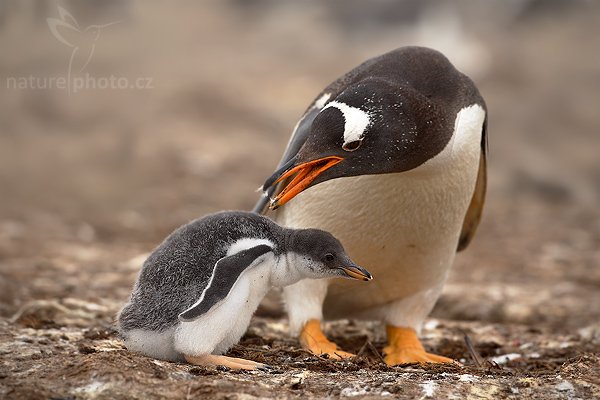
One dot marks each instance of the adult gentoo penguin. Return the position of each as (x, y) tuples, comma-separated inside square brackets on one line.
[(391, 159), (197, 291)]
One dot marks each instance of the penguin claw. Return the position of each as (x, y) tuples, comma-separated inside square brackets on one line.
[(264, 367)]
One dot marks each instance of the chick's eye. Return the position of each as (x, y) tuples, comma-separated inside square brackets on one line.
[(351, 146), (329, 257)]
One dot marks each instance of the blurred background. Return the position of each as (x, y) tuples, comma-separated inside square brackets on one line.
[(120, 120)]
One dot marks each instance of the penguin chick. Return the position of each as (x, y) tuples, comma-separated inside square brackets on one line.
[(197, 291)]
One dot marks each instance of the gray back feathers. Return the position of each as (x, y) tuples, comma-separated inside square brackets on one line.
[(175, 275)]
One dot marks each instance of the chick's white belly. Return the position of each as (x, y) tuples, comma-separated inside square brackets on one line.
[(402, 227), (223, 325)]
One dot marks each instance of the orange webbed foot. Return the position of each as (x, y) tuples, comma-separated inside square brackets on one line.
[(314, 340), (224, 361), (405, 348)]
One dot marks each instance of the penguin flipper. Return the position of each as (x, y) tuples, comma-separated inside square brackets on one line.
[(475, 209), (296, 142), (225, 274)]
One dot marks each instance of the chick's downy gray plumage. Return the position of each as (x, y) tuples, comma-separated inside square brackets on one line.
[(198, 289), (178, 270)]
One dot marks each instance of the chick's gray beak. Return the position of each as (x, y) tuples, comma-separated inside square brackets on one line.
[(357, 272)]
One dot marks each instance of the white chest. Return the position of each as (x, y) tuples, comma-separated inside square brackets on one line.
[(403, 227)]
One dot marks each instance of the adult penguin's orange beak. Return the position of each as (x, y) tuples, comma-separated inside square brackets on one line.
[(303, 175)]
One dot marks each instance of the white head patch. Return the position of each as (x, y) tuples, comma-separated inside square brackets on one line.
[(321, 101), (356, 121)]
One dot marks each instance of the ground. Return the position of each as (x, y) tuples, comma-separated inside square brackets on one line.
[(92, 181)]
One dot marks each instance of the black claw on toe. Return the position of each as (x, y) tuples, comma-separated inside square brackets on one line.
[(264, 367)]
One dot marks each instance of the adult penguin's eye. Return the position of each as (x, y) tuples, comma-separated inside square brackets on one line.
[(329, 257), (351, 146)]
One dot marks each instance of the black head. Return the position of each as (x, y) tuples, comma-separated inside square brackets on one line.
[(321, 255), (375, 126), (395, 114)]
